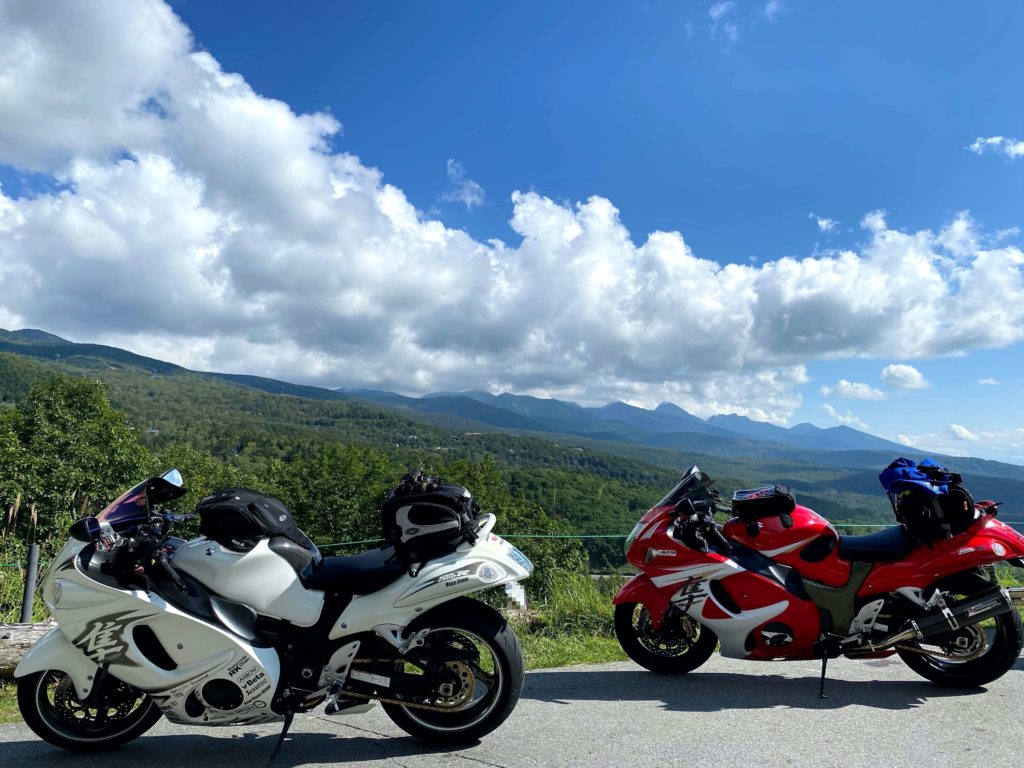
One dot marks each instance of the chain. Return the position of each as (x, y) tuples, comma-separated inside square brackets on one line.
[(942, 654), (399, 702)]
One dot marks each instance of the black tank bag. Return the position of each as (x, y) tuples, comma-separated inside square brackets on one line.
[(425, 517), (767, 501), (238, 518)]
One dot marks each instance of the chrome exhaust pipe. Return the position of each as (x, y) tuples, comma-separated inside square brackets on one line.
[(885, 643)]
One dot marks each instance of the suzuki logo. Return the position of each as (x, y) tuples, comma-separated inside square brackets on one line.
[(102, 641)]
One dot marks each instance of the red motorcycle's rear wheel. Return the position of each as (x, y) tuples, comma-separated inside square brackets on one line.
[(679, 646), (1003, 638)]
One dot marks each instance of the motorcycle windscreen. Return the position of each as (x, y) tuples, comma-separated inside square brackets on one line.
[(695, 485), (130, 508)]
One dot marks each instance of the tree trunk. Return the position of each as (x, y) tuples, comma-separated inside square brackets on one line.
[(15, 640)]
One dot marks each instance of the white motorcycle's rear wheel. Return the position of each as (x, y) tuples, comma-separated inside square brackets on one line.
[(490, 685), (52, 709)]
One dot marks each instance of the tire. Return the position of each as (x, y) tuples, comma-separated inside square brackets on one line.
[(497, 676), (672, 650), (1005, 642), (51, 708)]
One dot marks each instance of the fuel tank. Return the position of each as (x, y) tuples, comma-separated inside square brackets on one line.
[(810, 545), (259, 578)]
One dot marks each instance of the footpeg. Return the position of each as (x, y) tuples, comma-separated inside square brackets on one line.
[(347, 706)]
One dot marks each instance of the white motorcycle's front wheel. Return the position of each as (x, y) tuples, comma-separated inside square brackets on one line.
[(483, 652), (52, 709)]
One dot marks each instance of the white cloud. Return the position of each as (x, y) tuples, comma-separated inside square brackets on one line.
[(844, 417), (1005, 444), (720, 10), (1012, 148), (904, 377), (194, 218), (854, 390), (825, 224), (723, 21), (988, 382), (874, 222), (772, 9), (463, 190), (963, 433)]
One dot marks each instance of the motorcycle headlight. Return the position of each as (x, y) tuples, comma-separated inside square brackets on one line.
[(489, 573), (632, 536)]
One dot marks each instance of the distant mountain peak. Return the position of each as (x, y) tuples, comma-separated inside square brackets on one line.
[(675, 410), (805, 428), (34, 334)]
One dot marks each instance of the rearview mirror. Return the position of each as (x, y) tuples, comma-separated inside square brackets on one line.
[(173, 476), (87, 529)]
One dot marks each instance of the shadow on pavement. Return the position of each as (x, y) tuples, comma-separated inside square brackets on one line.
[(200, 747), (719, 691)]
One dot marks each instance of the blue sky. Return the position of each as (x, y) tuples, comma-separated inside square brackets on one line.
[(757, 131), (836, 109)]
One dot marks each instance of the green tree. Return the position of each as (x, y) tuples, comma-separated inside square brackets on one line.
[(336, 494), (81, 452)]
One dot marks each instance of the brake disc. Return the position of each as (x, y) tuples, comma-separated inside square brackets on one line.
[(465, 686), (117, 701)]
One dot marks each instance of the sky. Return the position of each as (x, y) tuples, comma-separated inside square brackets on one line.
[(789, 210)]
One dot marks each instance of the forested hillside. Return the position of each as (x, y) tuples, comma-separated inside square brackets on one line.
[(226, 429)]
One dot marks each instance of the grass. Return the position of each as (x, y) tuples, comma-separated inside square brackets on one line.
[(9, 703), (574, 626), (540, 652)]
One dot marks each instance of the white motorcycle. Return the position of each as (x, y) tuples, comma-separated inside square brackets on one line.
[(208, 634)]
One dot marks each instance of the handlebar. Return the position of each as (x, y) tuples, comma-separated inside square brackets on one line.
[(165, 565), (700, 528)]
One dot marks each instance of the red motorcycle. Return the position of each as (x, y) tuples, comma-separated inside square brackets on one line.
[(778, 582)]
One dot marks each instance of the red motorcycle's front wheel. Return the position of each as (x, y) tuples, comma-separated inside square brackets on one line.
[(679, 646)]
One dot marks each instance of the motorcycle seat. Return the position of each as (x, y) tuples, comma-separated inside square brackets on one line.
[(359, 574), (881, 547)]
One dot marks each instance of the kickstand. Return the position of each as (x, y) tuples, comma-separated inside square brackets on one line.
[(280, 739), (824, 666)]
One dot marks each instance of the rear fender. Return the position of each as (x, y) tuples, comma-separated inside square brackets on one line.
[(985, 544), (54, 651), (640, 589)]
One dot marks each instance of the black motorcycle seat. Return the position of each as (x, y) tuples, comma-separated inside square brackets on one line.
[(360, 574), (881, 547)]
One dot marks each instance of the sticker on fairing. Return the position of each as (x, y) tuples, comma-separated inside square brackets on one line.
[(974, 610)]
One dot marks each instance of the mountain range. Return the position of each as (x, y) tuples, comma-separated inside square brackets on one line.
[(667, 426)]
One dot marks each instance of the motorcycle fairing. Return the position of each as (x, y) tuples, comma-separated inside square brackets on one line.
[(99, 619), (732, 601)]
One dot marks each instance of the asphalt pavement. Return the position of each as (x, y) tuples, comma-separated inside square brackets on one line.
[(728, 713)]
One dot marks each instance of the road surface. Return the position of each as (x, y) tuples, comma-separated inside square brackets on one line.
[(728, 713)]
